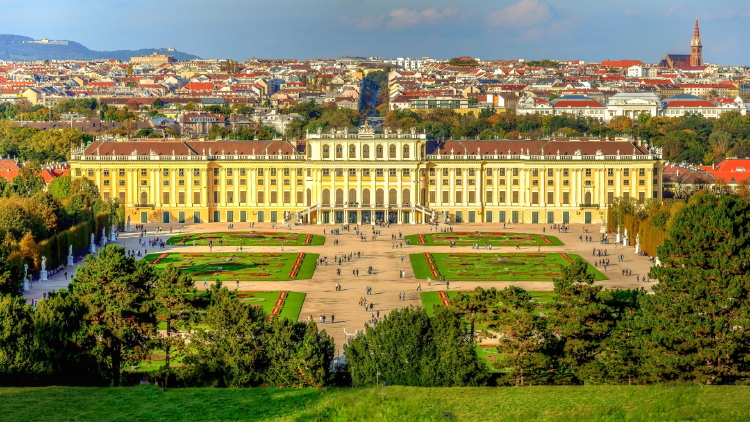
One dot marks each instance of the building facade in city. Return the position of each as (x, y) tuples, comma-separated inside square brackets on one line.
[(367, 177)]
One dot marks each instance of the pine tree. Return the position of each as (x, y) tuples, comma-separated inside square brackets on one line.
[(697, 323)]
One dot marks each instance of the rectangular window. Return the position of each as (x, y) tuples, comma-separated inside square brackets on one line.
[(339, 172), (352, 172), (626, 182), (471, 172), (445, 172), (106, 196), (181, 198), (144, 182), (273, 172), (300, 182), (458, 172), (196, 197), (566, 172), (641, 182), (165, 197), (535, 198), (216, 172), (626, 172), (274, 197), (550, 197), (515, 182), (243, 197), (433, 198), (216, 182), (261, 197), (534, 172), (488, 182), (230, 181), (286, 182), (488, 172), (287, 197), (121, 172), (446, 198), (588, 173), (299, 172), (488, 196), (106, 183), (406, 173), (165, 182), (144, 172), (273, 182), (472, 181), (459, 196), (230, 172), (610, 197), (610, 182), (196, 173), (392, 173), (326, 172), (550, 182), (243, 181), (501, 196), (106, 172), (366, 172), (90, 173), (196, 182), (122, 197), (534, 183), (641, 172), (515, 172), (378, 172), (566, 182), (243, 172), (230, 197), (514, 197), (260, 172), (550, 172), (181, 172), (286, 172), (216, 197), (501, 172), (121, 182), (459, 182), (300, 197), (181, 182), (566, 198), (501, 182), (472, 197), (610, 172)]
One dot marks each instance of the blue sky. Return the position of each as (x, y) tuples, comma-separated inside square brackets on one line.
[(591, 30)]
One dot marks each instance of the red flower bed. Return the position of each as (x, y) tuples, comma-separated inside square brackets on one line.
[(184, 239), (244, 295), (443, 295), (159, 259), (308, 239), (301, 255), (279, 303), (565, 257), (282, 295), (446, 302)]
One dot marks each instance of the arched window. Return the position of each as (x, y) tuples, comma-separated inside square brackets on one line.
[(392, 194), (379, 197), (587, 198), (423, 149), (352, 151), (352, 196), (309, 197), (406, 197), (365, 196), (379, 151), (144, 198), (339, 151), (366, 151), (406, 151), (326, 151), (326, 200), (339, 196), (392, 151)]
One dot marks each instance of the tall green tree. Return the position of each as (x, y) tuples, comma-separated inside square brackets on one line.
[(230, 351), (698, 322), (477, 307), (17, 363), (528, 348), (581, 318), (117, 292), (298, 354), (456, 362), (174, 294)]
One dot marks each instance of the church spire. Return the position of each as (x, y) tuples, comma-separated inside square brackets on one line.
[(696, 46)]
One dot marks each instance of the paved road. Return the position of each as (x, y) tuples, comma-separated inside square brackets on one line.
[(322, 297)]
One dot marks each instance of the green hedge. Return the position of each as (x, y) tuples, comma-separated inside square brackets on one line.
[(56, 247)]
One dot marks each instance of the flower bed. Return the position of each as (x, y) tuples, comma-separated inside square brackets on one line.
[(160, 258)]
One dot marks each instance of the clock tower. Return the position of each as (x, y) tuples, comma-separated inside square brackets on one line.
[(696, 47)]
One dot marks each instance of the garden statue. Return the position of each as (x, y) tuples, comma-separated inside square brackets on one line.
[(26, 286), (92, 243), (43, 273), (70, 255)]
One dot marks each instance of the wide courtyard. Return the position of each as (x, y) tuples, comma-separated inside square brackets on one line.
[(387, 254)]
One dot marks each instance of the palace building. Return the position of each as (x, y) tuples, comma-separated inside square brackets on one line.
[(364, 177)]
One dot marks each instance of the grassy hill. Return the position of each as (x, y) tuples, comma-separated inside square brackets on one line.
[(601, 403), (12, 47)]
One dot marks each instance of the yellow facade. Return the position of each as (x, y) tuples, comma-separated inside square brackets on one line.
[(399, 178)]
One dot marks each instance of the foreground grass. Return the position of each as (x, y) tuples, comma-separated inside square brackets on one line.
[(604, 403)]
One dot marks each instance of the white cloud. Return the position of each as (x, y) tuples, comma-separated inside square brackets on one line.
[(399, 18), (404, 18), (632, 11), (672, 10), (522, 14)]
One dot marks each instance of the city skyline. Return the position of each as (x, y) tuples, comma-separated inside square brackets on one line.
[(529, 29)]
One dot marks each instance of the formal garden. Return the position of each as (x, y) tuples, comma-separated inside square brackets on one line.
[(483, 239), (252, 238), (531, 266), (239, 266)]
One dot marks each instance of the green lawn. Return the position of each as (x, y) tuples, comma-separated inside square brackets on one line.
[(252, 238), (228, 266), (532, 266), (483, 238), (431, 299), (291, 305), (558, 403)]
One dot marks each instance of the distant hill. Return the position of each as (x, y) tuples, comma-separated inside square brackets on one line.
[(12, 47)]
